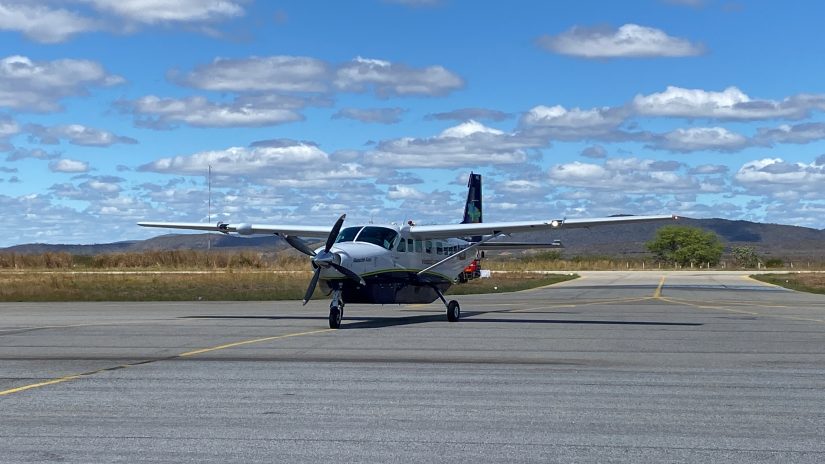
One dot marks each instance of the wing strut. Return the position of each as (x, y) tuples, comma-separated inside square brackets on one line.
[(471, 247)]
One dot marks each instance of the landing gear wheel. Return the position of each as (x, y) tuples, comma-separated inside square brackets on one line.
[(335, 316), (453, 311)]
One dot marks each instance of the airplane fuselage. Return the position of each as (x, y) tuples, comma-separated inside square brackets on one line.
[(390, 263)]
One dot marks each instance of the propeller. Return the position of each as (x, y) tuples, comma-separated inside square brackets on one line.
[(325, 258)]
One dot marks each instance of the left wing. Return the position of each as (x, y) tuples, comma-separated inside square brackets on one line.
[(246, 229), (494, 228)]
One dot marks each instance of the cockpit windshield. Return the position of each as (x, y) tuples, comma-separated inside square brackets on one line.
[(348, 234), (381, 236)]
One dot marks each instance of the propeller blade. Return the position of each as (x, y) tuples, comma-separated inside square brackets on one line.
[(298, 244), (352, 275), (312, 284), (333, 234)]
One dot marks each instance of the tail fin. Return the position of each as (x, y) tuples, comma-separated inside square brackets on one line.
[(472, 209)]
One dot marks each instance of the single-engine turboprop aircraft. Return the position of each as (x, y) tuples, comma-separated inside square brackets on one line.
[(392, 264)]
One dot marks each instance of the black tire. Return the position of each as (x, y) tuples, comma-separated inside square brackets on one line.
[(335, 316), (453, 311)]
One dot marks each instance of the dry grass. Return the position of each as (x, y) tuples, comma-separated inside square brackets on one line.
[(138, 286), (812, 282), (206, 286)]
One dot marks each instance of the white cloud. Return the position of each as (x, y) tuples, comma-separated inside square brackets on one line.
[(782, 179), (468, 144), (75, 134), (68, 166), (464, 114), (160, 113), (628, 41), (731, 103), (42, 23), (8, 127), (389, 79), (403, 192), (631, 176), (39, 85), (799, 133), (273, 73), (164, 11), (240, 161), (371, 115), (700, 138), (559, 123)]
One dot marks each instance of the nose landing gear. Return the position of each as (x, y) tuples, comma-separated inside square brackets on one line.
[(336, 309)]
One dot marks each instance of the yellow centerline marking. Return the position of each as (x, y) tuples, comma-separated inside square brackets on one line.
[(249, 342), (182, 355), (658, 293)]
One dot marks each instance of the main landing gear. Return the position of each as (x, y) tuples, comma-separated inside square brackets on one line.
[(453, 309), (336, 309)]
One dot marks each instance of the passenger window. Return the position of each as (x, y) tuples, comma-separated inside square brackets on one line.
[(439, 248), (419, 246), (428, 246), (402, 246)]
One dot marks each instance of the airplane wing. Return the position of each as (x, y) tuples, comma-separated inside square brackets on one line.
[(488, 228), (246, 229)]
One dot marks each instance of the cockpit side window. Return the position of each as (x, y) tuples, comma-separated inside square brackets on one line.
[(348, 234), (380, 236)]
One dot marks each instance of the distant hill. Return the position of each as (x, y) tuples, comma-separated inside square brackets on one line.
[(163, 242), (617, 240)]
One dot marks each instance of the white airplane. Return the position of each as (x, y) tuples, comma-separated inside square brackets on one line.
[(392, 264)]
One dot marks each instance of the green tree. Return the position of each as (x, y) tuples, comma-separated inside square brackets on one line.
[(686, 245), (745, 256)]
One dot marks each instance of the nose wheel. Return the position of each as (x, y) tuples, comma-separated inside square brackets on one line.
[(336, 309), (336, 314)]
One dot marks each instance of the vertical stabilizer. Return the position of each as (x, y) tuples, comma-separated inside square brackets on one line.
[(472, 209)]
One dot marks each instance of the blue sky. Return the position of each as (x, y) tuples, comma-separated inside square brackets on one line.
[(111, 111)]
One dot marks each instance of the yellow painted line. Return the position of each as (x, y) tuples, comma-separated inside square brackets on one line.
[(182, 355), (658, 293), (41, 384), (249, 342)]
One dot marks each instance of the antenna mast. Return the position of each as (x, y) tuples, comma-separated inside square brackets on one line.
[(209, 205)]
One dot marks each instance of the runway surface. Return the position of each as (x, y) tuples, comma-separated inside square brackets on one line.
[(612, 367)]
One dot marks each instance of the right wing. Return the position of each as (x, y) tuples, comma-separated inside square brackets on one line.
[(246, 229)]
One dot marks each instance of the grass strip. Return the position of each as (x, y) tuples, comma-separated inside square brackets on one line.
[(804, 282), (214, 286)]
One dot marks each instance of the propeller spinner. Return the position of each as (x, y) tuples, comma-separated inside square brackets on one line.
[(324, 259)]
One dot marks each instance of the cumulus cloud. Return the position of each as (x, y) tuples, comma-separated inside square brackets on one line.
[(468, 144), (730, 103), (76, 134), (161, 11), (559, 123), (162, 113), (39, 85), (8, 127), (632, 175), (254, 74), (465, 114), (628, 41), (781, 179), (371, 115), (241, 161), (700, 138), (404, 192), (798, 133), (41, 23), (390, 79), (595, 151), (16, 154), (68, 166)]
